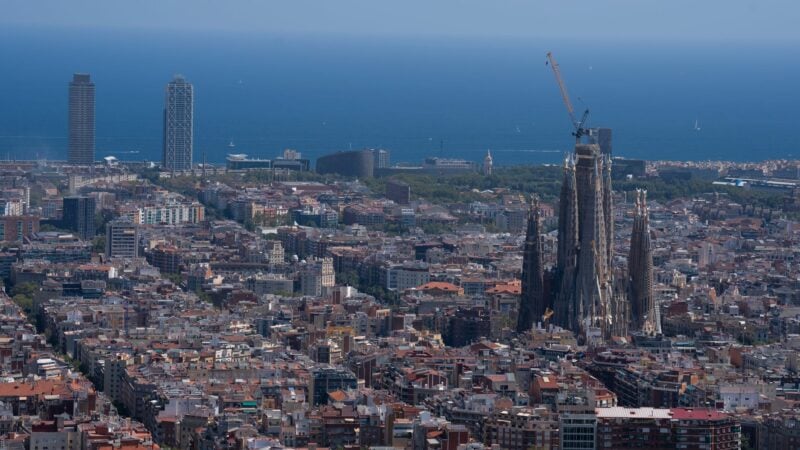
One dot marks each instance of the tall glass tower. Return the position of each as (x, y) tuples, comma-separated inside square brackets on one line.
[(178, 125), (81, 120)]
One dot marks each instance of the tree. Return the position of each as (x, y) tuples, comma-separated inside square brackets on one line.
[(204, 296), (99, 244), (348, 278), (26, 289), (23, 295), (24, 302), (176, 278)]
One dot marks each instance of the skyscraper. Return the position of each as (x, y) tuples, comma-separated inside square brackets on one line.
[(178, 125), (81, 120), (644, 312), (381, 158), (79, 216), (601, 137), (532, 302)]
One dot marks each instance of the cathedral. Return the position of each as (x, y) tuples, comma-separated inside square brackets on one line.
[(585, 293)]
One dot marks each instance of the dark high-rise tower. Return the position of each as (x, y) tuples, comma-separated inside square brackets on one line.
[(81, 120), (532, 302), (79, 216), (178, 125), (601, 137), (644, 313)]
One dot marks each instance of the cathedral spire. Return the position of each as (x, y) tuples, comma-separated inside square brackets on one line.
[(532, 301), (488, 163), (644, 312), (567, 312)]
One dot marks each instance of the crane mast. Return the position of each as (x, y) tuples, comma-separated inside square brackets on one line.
[(577, 124)]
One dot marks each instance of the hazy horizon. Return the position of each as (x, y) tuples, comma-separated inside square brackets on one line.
[(321, 94), (644, 20)]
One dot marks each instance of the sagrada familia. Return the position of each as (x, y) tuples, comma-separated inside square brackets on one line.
[(585, 292)]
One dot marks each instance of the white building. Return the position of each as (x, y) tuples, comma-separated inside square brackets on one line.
[(317, 277)]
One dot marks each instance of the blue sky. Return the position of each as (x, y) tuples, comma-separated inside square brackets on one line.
[(661, 20)]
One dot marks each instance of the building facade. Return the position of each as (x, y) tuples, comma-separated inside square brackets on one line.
[(601, 137), (355, 163), (317, 277), (381, 158), (325, 379), (662, 429), (122, 239), (178, 125), (81, 120), (171, 214), (17, 228), (398, 192), (79, 216)]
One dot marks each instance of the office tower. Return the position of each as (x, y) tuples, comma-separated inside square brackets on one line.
[(587, 302), (380, 158), (79, 216), (398, 191), (178, 125), (601, 137), (122, 239), (81, 120), (644, 312), (577, 429), (532, 302)]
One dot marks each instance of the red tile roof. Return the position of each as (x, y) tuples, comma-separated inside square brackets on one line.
[(697, 414)]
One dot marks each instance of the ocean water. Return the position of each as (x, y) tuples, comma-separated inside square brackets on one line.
[(416, 97)]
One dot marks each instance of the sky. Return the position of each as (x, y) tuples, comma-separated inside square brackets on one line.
[(643, 20)]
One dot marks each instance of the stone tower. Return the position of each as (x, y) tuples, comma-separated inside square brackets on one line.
[(487, 163), (644, 315), (566, 310), (533, 301), (586, 302)]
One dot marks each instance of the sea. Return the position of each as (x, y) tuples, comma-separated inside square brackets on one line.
[(450, 97)]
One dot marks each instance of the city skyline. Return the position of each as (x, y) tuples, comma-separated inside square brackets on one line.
[(450, 225)]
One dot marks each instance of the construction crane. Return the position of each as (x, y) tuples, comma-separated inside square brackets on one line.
[(580, 131)]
